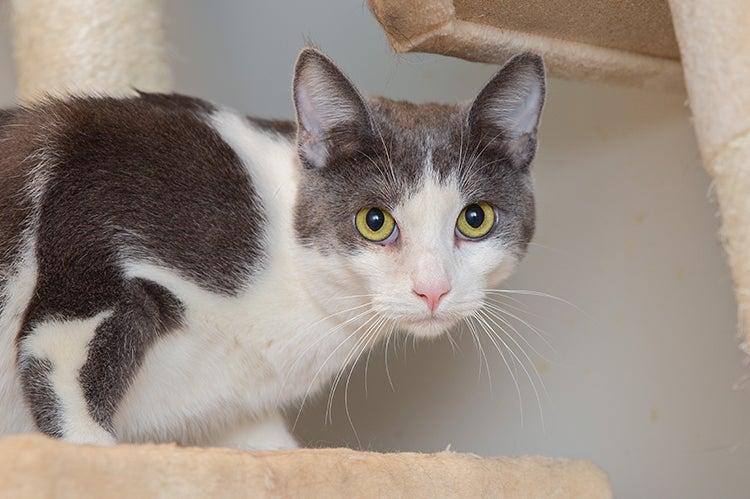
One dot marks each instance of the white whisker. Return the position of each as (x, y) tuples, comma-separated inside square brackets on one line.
[(490, 315), (367, 346), (540, 294), (452, 342), (369, 303), (501, 301), (347, 361), (320, 338), (320, 369), (387, 154), (344, 365), (523, 366), (368, 295), (480, 348), (387, 342), (533, 329), (486, 329)]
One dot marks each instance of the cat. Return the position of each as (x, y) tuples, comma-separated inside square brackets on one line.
[(172, 271)]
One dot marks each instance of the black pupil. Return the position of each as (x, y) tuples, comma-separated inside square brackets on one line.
[(474, 215), (375, 219)]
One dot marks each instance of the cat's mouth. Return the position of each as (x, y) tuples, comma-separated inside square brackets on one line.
[(431, 325)]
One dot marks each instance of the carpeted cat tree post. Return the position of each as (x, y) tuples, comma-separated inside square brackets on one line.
[(89, 46), (714, 41), (112, 47), (631, 43)]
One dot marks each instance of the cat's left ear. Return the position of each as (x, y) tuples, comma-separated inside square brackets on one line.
[(503, 119), (332, 118)]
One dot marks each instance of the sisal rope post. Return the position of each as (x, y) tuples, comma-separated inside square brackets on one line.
[(88, 46)]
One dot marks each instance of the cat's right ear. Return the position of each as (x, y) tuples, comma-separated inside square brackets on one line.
[(332, 118)]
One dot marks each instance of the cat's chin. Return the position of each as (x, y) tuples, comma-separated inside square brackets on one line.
[(428, 327)]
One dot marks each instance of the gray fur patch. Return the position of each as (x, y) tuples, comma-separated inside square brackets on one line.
[(41, 398)]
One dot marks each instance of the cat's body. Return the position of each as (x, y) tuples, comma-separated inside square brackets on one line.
[(172, 271)]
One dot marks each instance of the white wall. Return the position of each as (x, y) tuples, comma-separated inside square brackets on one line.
[(647, 380)]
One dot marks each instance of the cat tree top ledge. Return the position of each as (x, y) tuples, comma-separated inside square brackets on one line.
[(630, 42), (36, 466)]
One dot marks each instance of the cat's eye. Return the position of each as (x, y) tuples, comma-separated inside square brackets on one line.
[(376, 225), (475, 221)]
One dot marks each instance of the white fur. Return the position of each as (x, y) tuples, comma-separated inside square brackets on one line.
[(267, 433), (14, 415), (65, 345)]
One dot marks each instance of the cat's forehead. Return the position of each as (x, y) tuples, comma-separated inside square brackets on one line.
[(420, 127), (420, 138), (414, 116), (416, 146)]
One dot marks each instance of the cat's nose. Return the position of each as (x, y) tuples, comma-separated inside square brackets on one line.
[(432, 292)]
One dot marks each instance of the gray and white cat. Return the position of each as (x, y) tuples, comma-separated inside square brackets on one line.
[(175, 271)]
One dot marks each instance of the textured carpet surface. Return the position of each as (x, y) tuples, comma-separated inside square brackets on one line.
[(32, 466)]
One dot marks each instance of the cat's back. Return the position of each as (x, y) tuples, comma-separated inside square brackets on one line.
[(168, 177)]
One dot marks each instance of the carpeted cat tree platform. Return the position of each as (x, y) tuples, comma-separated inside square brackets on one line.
[(35, 467), (110, 46)]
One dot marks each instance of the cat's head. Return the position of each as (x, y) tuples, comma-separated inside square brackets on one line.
[(418, 209)]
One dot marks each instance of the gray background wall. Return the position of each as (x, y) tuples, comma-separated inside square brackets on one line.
[(646, 380)]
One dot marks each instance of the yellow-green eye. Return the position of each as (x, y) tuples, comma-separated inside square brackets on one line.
[(476, 220), (375, 224)]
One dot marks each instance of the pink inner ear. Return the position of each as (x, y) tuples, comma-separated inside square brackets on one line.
[(321, 106), (315, 152), (525, 113), (311, 139), (307, 114), (511, 103), (517, 110)]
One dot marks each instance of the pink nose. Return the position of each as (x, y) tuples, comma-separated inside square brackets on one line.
[(432, 293)]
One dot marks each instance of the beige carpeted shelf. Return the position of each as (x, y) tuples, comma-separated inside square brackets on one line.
[(36, 467), (611, 40)]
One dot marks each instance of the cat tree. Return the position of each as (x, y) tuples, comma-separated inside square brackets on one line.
[(108, 46), (112, 47)]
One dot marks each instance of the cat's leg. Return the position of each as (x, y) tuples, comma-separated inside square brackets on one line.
[(51, 355), (74, 372), (267, 433)]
